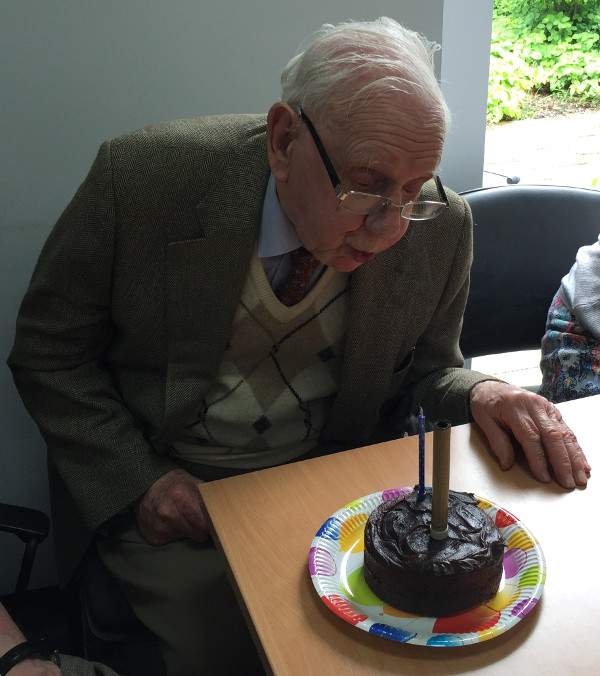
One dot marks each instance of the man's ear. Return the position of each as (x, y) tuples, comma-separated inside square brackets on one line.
[(282, 121)]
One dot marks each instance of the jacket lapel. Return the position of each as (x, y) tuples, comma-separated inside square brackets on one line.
[(383, 295), (204, 281)]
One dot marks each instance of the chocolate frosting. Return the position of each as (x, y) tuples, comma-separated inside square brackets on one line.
[(398, 533)]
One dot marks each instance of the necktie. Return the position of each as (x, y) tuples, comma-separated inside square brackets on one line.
[(293, 288)]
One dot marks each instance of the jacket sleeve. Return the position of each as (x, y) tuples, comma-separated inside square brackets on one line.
[(64, 328), (436, 380)]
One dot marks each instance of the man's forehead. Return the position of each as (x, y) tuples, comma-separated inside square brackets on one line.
[(378, 146)]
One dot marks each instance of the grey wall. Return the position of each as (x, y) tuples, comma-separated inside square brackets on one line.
[(466, 41), (74, 73)]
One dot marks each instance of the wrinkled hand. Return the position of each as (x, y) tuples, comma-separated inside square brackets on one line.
[(171, 510), (505, 412)]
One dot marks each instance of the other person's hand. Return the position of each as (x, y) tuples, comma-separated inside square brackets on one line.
[(11, 636), (507, 413), (35, 667), (171, 510)]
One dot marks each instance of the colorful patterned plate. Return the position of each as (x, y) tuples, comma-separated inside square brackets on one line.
[(336, 567)]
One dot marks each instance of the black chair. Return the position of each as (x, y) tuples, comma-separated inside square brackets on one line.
[(41, 613), (110, 631), (32, 527), (91, 618), (525, 240)]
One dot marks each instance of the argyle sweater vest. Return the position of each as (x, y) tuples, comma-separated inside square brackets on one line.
[(277, 380)]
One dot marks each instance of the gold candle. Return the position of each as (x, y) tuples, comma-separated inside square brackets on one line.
[(441, 480)]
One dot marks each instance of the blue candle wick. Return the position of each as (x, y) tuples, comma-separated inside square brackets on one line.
[(421, 494)]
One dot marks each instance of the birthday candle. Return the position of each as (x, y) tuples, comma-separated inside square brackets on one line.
[(421, 493), (441, 480)]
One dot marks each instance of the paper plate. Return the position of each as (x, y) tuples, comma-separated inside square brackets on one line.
[(336, 567)]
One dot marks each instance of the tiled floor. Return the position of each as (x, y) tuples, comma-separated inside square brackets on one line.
[(558, 150), (516, 368)]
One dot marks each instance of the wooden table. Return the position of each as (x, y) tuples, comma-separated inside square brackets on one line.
[(264, 523)]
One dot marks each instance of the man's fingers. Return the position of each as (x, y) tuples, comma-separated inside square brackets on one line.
[(500, 442), (171, 510), (581, 467), (564, 453), (193, 523), (505, 412), (543, 447)]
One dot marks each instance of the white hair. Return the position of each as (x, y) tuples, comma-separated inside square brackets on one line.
[(341, 66)]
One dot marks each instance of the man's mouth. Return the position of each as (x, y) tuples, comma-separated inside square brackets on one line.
[(362, 256)]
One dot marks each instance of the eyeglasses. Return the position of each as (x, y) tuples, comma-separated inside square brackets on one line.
[(366, 203)]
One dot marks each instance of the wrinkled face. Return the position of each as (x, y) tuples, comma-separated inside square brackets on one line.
[(380, 149)]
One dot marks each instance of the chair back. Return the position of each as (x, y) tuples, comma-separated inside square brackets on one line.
[(525, 240)]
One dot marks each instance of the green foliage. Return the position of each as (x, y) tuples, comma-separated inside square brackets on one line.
[(550, 46)]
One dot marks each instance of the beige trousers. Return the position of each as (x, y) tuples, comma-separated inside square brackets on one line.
[(180, 591)]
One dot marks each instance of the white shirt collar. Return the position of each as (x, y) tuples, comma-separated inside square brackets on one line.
[(277, 234)]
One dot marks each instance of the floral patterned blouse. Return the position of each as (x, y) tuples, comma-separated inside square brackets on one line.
[(570, 357)]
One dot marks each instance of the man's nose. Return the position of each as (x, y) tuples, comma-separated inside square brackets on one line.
[(387, 223)]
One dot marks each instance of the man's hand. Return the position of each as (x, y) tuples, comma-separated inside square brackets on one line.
[(506, 413), (171, 510)]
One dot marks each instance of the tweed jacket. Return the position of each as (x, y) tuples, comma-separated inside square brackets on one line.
[(129, 308)]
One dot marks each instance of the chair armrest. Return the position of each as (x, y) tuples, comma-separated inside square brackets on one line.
[(32, 527), (24, 522)]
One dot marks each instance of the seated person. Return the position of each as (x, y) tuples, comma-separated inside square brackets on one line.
[(43, 661), (571, 345), (158, 345)]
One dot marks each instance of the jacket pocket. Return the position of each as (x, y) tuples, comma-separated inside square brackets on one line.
[(395, 410), (404, 364), (399, 373)]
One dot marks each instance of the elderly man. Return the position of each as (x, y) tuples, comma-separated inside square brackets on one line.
[(162, 343)]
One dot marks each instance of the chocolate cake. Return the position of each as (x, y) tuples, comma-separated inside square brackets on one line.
[(411, 571)]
